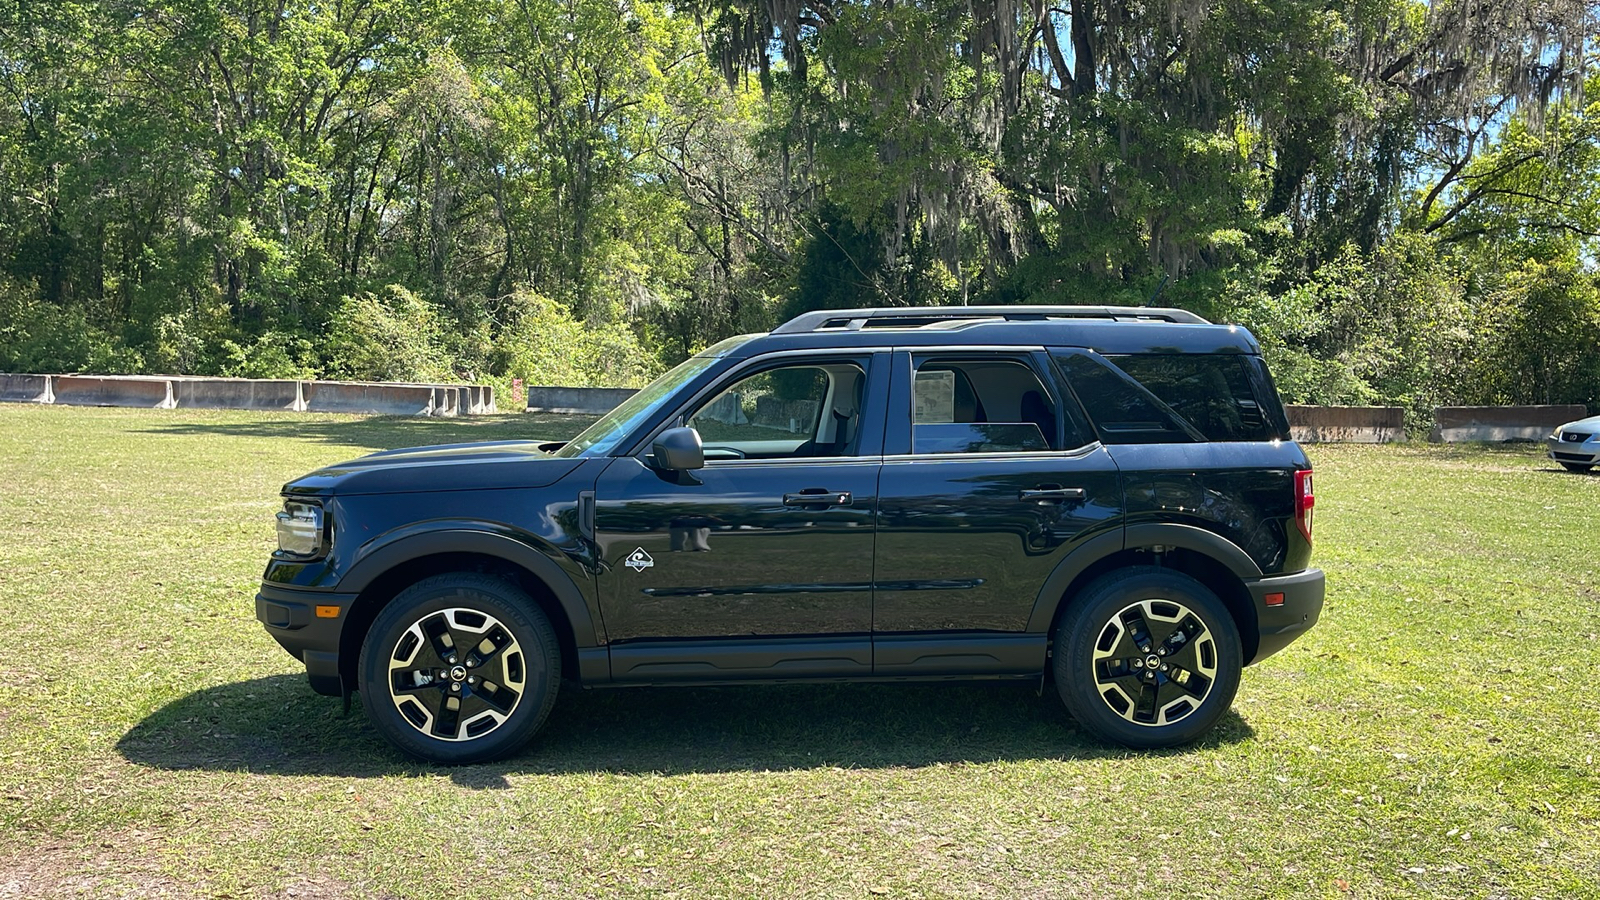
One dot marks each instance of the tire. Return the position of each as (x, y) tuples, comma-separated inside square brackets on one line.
[(1577, 467), (413, 666), (1124, 621)]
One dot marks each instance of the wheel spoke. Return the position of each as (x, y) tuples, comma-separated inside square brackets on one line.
[(1148, 706), (495, 696), (496, 640), (448, 723), (440, 639)]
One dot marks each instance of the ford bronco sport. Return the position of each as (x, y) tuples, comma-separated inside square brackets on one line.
[(1108, 497)]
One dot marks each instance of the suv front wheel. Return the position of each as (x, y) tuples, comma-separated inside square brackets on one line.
[(460, 668), (1147, 657)]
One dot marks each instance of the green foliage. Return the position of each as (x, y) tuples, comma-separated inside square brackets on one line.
[(393, 335), (542, 343), (1540, 336), (36, 336), (376, 189)]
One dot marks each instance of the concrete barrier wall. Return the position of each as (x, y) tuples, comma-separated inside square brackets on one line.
[(1455, 424), (236, 393), (1308, 424), (169, 391), (588, 401), (481, 399), (112, 390), (1346, 424), (359, 397), (25, 389)]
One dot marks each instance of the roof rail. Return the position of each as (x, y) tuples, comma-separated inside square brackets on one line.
[(923, 316)]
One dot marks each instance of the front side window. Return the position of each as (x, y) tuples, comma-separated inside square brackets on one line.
[(978, 405), (609, 430), (784, 413)]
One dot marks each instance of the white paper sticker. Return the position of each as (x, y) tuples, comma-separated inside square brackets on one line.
[(935, 396)]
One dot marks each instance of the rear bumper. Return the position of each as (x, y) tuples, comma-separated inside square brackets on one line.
[(1280, 624), (307, 624)]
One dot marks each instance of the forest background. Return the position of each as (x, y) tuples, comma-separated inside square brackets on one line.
[(1400, 198)]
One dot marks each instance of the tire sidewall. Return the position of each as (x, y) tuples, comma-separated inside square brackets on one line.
[(516, 612), (1080, 627)]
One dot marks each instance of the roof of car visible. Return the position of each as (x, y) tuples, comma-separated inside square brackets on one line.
[(1110, 330)]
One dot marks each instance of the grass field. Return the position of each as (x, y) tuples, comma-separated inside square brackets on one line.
[(1435, 736)]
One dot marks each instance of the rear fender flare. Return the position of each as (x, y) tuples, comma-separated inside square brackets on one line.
[(1187, 537)]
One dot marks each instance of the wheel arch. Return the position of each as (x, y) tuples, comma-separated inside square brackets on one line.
[(381, 575), (1205, 556)]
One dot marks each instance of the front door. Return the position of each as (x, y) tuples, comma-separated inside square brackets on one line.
[(759, 564)]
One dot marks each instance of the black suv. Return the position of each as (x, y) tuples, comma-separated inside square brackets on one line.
[(1106, 496)]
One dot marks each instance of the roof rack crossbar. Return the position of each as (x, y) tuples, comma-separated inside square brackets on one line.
[(856, 319)]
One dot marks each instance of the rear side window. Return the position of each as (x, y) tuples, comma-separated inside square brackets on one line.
[(1212, 392), (1122, 410)]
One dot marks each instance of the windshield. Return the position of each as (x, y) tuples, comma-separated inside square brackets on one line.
[(599, 439)]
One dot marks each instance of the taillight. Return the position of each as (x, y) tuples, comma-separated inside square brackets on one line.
[(1303, 501)]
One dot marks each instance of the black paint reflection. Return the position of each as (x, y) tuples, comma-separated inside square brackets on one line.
[(730, 558), (958, 547)]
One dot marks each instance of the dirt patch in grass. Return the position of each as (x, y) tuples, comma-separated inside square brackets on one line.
[(128, 864), (119, 865)]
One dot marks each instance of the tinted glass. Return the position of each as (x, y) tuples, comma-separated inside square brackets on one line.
[(1123, 412), (966, 437), (994, 390), (1211, 392), (787, 412), (599, 439)]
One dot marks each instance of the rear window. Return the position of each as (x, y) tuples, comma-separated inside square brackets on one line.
[(1212, 392)]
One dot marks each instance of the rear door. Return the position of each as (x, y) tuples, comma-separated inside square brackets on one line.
[(990, 477)]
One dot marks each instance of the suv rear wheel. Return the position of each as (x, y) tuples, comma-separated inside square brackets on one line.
[(460, 668), (1147, 657)]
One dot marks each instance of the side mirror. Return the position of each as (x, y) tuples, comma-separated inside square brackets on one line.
[(679, 450)]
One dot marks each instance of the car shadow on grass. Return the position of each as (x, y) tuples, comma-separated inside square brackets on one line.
[(276, 726), (383, 432)]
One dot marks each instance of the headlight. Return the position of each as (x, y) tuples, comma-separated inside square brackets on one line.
[(300, 529)]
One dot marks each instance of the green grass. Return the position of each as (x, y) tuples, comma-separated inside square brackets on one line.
[(1434, 736)]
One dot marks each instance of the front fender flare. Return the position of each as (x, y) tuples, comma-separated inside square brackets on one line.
[(531, 554)]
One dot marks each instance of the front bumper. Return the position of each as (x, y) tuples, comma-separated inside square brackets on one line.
[(1583, 453), (308, 624), (1279, 625)]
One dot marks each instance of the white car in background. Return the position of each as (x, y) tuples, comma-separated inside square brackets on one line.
[(1576, 445)]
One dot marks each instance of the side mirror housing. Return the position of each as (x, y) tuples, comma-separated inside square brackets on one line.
[(679, 450)]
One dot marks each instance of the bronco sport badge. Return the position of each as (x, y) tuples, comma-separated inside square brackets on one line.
[(639, 560)]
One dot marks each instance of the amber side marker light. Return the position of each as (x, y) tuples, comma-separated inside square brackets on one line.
[(1275, 599), (332, 612)]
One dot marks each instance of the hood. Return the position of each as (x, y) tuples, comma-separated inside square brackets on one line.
[(1591, 424), (488, 465)]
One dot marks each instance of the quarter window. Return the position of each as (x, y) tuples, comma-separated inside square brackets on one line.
[(1123, 411), (1211, 392)]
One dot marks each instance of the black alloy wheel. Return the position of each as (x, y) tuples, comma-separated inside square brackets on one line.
[(460, 668), (1147, 657)]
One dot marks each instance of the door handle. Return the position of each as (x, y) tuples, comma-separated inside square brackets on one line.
[(1045, 493), (817, 497)]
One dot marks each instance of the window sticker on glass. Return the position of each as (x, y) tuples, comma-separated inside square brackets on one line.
[(936, 396)]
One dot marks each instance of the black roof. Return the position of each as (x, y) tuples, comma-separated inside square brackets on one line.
[(1106, 329)]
